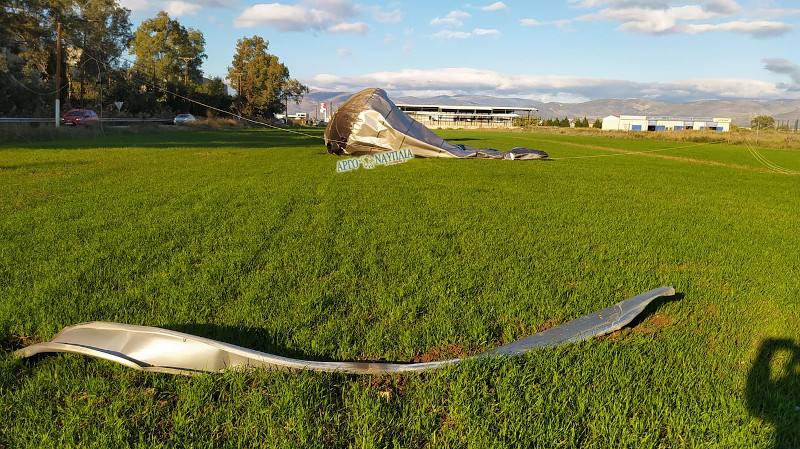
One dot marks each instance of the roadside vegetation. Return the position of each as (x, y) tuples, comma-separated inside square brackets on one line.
[(776, 139), (250, 237)]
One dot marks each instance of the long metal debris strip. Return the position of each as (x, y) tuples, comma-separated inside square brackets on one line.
[(165, 351)]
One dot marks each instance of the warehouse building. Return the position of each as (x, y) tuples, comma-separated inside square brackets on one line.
[(657, 123), (445, 116)]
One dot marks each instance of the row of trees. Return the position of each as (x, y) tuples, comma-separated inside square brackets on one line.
[(167, 69), (564, 123), (767, 122)]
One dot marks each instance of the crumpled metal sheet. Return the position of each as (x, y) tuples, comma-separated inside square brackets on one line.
[(165, 351), (370, 123)]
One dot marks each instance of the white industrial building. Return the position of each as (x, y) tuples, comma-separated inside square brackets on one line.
[(447, 116), (657, 123)]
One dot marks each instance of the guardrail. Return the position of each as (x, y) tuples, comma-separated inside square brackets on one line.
[(105, 120)]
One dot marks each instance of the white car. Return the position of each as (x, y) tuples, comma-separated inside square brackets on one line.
[(183, 119)]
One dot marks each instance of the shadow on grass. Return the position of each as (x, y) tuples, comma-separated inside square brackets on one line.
[(43, 165), (651, 309), (260, 340), (773, 389), (250, 138), (463, 139)]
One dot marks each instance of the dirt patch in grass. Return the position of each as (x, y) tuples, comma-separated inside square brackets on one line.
[(17, 342), (386, 386), (651, 326), (552, 322)]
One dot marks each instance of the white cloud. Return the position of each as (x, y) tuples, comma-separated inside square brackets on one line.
[(447, 34), (179, 8), (380, 15), (349, 28), (723, 7), (175, 8), (458, 14), (496, 6), (660, 17), (303, 16), (778, 65), (452, 18), (529, 22), (757, 29), (388, 37), (445, 21), (344, 52), (135, 5), (485, 32), (774, 13), (469, 81)]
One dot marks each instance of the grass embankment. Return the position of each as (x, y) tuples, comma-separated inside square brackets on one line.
[(251, 237)]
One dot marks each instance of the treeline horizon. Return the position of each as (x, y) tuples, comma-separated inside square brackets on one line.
[(162, 77)]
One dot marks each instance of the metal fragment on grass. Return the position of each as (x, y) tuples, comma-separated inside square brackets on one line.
[(161, 350)]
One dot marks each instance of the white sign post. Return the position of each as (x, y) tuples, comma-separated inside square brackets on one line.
[(323, 109)]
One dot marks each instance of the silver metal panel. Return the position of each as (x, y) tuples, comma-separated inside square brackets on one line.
[(162, 350)]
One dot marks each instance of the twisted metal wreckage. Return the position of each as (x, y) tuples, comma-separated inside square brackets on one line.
[(367, 124), (370, 123), (161, 350)]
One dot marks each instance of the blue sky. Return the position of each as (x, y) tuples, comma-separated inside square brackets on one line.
[(567, 50)]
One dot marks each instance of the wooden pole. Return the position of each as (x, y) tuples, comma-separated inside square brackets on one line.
[(186, 70)]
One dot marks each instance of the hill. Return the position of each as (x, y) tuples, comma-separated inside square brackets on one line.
[(741, 111)]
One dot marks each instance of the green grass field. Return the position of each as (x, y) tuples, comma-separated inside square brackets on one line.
[(250, 237)]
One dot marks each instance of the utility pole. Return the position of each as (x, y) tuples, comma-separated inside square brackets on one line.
[(239, 88), (239, 91), (58, 74), (186, 70)]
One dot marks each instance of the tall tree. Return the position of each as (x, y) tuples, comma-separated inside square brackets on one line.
[(261, 81), (165, 50), (763, 122), (26, 60), (213, 93), (95, 34), (96, 30)]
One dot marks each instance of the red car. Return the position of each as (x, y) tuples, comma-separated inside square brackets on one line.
[(79, 117)]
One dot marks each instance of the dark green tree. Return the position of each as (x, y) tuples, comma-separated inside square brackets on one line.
[(526, 121), (293, 90), (585, 122), (261, 81), (564, 123), (24, 59), (598, 123), (165, 50), (213, 93), (94, 33), (762, 122)]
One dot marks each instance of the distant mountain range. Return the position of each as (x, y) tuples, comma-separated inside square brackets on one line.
[(740, 111)]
